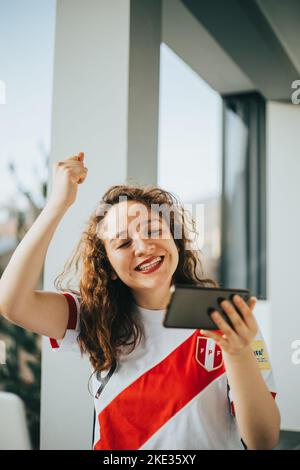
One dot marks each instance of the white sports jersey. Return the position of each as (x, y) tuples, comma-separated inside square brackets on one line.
[(170, 393)]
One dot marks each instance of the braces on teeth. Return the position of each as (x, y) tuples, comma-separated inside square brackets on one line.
[(149, 265)]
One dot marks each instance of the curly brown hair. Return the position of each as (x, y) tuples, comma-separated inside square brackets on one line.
[(106, 321)]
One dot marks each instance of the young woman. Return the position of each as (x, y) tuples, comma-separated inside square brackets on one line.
[(153, 387)]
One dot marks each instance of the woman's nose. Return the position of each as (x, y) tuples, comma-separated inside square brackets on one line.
[(143, 246)]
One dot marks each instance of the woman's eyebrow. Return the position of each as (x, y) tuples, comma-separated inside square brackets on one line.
[(125, 232), (115, 237)]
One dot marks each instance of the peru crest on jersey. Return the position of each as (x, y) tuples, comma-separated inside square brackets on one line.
[(208, 354)]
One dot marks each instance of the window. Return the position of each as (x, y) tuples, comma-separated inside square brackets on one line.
[(244, 194), (190, 144)]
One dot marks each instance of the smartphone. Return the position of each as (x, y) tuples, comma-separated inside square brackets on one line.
[(190, 306)]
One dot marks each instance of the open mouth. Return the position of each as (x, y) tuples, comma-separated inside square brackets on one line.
[(147, 268)]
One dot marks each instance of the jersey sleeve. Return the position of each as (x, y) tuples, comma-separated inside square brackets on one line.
[(261, 354), (69, 342)]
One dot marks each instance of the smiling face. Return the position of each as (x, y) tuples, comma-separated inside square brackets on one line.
[(141, 251)]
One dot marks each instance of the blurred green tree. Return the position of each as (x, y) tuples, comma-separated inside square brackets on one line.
[(22, 372)]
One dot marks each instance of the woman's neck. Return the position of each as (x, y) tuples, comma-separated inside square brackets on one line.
[(152, 300)]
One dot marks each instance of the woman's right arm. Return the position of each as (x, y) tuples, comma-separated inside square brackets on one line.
[(45, 313)]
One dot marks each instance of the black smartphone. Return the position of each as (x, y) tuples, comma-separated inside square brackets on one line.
[(190, 306)]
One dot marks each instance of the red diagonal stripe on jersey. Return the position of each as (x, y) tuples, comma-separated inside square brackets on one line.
[(143, 407)]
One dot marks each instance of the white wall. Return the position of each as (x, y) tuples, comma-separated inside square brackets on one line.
[(283, 189)]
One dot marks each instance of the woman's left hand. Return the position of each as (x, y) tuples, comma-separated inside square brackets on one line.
[(234, 341)]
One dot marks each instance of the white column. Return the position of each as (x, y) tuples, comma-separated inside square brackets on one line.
[(143, 105), (94, 111)]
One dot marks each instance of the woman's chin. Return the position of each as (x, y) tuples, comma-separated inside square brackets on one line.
[(153, 280)]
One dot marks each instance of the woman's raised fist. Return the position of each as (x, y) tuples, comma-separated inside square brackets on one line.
[(66, 175)]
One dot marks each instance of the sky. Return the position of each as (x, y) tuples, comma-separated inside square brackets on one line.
[(189, 111), (26, 51)]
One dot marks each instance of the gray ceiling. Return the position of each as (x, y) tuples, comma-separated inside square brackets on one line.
[(284, 18), (261, 36)]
